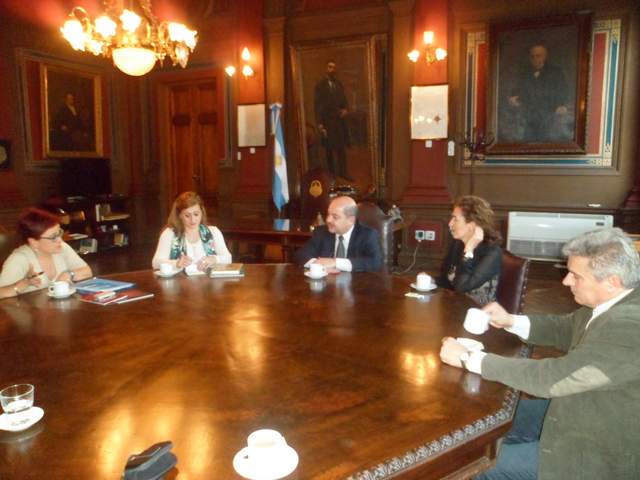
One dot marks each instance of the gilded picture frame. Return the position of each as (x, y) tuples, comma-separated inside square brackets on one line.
[(539, 71), (339, 123), (71, 112)]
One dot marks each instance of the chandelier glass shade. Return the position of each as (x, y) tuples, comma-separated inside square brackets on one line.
[(135, 42)]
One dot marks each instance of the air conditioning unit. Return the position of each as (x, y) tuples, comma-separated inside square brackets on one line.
[(541, 235)]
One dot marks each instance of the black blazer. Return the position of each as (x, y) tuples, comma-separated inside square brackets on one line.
[(364, 249)]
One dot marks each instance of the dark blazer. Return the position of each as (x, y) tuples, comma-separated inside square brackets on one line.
[(364, 249), (477, 276)]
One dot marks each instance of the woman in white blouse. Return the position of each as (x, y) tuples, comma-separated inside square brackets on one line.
[(43, 259), (187, 240)]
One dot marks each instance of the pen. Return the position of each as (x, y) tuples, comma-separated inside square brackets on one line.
[(34, 275)]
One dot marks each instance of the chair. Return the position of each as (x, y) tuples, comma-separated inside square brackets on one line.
[(512, 285), (8, 241), (314, 192), (372, 216)]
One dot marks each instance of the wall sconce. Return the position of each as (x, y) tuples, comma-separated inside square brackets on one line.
[(247, 71), (431, 53)]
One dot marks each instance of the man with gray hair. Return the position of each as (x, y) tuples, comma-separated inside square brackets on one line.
[(591, 428)]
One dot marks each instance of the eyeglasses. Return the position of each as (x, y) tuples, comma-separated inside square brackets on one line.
[(55, 236)]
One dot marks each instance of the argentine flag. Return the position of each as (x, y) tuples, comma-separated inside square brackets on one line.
[(280, 188)]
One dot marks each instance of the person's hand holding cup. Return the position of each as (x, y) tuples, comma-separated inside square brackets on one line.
[(476, 321)]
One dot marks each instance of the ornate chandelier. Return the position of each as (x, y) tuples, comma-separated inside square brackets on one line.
[(134, 42)]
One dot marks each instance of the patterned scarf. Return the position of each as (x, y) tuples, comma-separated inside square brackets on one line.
[(179, 244)]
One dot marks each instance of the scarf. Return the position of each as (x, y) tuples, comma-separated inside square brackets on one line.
[(179, 244)]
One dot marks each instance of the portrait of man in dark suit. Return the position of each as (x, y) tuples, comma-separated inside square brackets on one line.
[(540, 101), (330, 104)]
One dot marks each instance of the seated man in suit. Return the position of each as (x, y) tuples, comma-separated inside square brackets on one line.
[(343, 244)]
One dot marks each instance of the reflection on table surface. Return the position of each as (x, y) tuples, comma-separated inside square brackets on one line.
[(346, 368)]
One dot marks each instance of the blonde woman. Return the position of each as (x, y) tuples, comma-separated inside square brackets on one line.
[(187, 240)]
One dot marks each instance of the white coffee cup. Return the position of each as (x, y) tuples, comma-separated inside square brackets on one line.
[(264, 446), (59, 289), (317, 270), (476, 321), (424, 281), (166, 268)]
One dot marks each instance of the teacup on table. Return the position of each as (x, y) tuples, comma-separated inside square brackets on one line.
[(476, 321), (59, 289), (424, 281), (317, 270), (166, 268)]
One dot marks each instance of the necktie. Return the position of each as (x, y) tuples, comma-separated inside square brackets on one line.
[(340, 253)]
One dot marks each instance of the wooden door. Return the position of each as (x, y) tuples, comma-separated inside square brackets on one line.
[(192, 124)]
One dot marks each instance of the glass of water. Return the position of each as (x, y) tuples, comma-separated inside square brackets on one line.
[(16, 401)]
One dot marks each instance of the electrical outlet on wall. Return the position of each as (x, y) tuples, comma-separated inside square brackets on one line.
[(419, 235), (429, 235)]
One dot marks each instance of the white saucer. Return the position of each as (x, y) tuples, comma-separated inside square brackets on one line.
[(282, 465), (66, 295), (158, 273), (315, 277), (432, 287), (35, 414), (470, 343)]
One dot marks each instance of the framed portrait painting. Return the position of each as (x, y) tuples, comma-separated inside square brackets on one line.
[(71, 112), (538, 89), (336, 85)]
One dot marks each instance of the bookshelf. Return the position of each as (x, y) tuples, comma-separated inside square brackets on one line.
[(96, 223)]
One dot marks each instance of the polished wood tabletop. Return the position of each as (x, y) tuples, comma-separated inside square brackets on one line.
[(346, 368)]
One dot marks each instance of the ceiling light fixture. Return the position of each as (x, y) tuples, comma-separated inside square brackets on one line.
[(135, 42)]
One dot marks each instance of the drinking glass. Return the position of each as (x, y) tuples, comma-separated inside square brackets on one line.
[(16, 401)]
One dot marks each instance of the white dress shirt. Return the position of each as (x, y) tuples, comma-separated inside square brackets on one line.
[(342, 264)]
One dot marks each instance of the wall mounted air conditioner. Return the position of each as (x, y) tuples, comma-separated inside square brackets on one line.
[(541, 235)]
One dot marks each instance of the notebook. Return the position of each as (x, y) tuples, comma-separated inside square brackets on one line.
[(228, 270), (95, 285), (103, 298)]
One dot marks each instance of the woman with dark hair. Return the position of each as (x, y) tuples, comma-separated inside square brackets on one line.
[(42, 259), (187, 240), (474, 260)]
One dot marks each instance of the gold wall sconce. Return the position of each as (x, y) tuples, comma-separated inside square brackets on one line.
[(246, 70), (432, 53)]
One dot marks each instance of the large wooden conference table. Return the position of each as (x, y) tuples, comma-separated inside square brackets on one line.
[(346, 368)]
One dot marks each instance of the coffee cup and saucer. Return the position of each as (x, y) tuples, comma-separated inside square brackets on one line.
[(266, 457), (60, 290), (424, 283), (167, 270), (17, 403), (316, 271)]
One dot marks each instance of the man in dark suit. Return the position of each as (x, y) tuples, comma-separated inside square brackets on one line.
[(343, 244), (542, 99), (330, 104)]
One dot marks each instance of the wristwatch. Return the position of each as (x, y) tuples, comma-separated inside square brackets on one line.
[(464, 358)]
